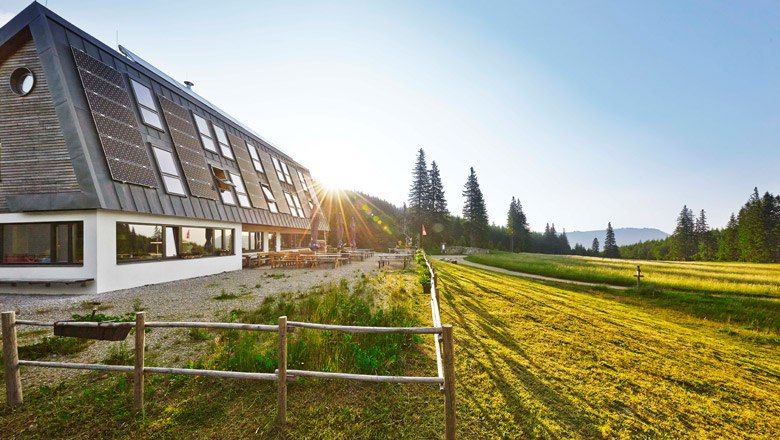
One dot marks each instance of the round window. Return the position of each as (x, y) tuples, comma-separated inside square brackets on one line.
[(22, 81)]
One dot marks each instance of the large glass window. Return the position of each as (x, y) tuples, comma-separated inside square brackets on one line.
[(205, 133), (287, 176), (255, 158), (303, 181), (146, 105), (169, 172), (295, 205), (224, 145), (298, 206), (42, 243), (141, 242), (224, 185), (243, 200), (251, 241), (269, 198)]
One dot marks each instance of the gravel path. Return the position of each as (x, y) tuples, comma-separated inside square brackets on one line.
[(184, 300), (461, 260)]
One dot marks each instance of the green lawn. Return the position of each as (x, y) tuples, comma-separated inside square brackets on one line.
[(729, 278), (533, 360)]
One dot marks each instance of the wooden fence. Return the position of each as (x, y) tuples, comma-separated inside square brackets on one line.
[(442, 334)]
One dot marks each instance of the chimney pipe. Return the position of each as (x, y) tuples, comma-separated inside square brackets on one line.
[(189, 84)]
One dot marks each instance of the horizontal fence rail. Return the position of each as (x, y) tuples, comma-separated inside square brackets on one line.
[(282, 375)]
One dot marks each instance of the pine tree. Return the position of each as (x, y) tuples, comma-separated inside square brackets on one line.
[(705, 245), (438, 203), (563, 244), (419, 195), (728, 248), (594, 248), (474, 210), (684, 237), (517, 227), (610, 245)]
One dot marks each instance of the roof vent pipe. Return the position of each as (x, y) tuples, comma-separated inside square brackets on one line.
[(189, 84)]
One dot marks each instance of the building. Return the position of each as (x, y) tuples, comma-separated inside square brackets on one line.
[(113, 175)]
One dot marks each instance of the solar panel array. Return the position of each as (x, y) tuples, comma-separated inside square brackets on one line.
[(251, 181), (189, 149), (106, 91)]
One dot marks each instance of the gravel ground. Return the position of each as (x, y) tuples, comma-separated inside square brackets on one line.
[(184, 300)]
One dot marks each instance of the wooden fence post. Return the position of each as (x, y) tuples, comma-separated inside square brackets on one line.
[(138, 373), (13, 382), (281, 414), (448, 359)]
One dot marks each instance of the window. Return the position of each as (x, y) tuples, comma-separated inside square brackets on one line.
[(269, 197), (144, 242), (22, 81), (251, 241), (42, 243), (291, 204), (287, 176), (224, 185), (205, 133), (146, 105), (170, 173), (279, 170), (298, 206), (243, 200), (224, 146), (303, 181), (255, 158)]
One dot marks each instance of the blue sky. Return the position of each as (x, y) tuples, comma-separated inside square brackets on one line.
[(588, 112)]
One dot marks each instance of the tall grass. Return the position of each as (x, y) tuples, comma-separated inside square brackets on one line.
[(337, 303), (726, 278)]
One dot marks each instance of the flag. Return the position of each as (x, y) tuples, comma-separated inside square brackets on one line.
[(424, 230)]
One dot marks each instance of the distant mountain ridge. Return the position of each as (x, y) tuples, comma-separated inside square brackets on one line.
[(623, 236)]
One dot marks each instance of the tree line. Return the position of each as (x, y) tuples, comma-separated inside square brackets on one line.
[(427, 207), (752, 235)]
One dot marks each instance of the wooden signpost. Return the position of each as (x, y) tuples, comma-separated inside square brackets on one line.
[(638, 276)]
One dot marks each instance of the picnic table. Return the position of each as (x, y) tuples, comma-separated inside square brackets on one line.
[(385, 260)]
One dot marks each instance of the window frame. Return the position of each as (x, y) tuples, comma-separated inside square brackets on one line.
[(224, 147), (141, 106), (278, 168), (178, 231), (240, 188), (165, 174), (209, 137), (270, 199), (255, 158), (74, 227)]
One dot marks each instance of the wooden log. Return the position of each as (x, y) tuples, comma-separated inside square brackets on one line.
[(281, 414), (449, 381), (365, 377), (13, 380), (225, 325), (38, 323), (361, 329), (75, 366), (211, 373), (138, 372)]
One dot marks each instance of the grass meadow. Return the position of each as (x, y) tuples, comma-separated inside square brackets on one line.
[(533, 360), (689, 276)]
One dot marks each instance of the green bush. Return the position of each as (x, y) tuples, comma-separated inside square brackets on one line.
[(315, 349)]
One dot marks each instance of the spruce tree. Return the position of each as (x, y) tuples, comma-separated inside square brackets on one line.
[(705, 245), (517, 227), (684, 238), (594, 248), (728, 248), (419, 195), (564, 247), (438, 203), (474, 210), (610, 245)]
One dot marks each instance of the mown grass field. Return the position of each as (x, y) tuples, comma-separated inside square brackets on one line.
[(533, 360), (690, 276)]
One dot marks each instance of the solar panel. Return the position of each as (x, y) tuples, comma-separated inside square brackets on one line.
[(188, 148), (248, 172), (109, 102)]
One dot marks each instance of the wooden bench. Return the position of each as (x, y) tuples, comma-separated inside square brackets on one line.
[(48, 282), (385, 260)]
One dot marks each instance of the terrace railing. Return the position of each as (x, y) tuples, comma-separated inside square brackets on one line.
[(443, 341)]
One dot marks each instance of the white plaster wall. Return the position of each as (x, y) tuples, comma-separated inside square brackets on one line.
[(113, 276), (87, 270)]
